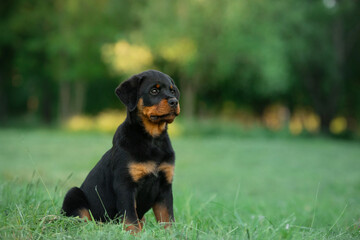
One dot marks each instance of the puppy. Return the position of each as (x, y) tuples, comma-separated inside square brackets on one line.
[(136, 174)]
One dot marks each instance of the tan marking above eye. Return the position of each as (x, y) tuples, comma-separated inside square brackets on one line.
[(168, 170), (157, 85), (140, 170)]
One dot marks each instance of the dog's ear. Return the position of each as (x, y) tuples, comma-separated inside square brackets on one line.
[(128, 92)]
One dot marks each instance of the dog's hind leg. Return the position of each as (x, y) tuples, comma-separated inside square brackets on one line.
[(76, 204)]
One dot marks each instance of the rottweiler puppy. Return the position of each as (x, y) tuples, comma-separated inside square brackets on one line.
[(136, 174)]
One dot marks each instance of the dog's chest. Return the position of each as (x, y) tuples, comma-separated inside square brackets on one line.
[(138, 171), (154, 159)]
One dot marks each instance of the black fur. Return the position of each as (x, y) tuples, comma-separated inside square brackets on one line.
[(110, 191), (75, 199)]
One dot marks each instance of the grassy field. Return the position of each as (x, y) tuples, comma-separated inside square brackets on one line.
[(224, 188)]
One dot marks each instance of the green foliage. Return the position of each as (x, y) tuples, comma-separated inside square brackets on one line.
[(225, 188), (253, 53)]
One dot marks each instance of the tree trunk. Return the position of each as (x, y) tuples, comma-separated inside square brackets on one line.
[(6, 67), (326, 90), (64, 101), (47, 102), (188, 98), (3, 102), (339, 47), (79, 98)]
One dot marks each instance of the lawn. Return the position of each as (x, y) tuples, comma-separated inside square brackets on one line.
[(224, 188)]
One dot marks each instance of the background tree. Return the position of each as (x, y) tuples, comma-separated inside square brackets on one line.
[(247, 53)]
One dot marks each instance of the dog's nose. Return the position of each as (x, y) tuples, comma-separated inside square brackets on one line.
[(173, 102)]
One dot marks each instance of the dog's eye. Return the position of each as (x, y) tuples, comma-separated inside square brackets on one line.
[(154, 91), (172, 91)]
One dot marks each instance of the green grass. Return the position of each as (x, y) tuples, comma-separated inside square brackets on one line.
[(224, 188)]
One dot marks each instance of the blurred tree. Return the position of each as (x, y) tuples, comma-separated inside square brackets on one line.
[(124, 58), (7, 9), (80, 29), (182, 34), (42, 51), (208, 43), (26, 24), (252, 58), (228, 53), (257, 51), (320, 46)]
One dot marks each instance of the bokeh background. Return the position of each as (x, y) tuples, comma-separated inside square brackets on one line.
[(267, 142), (285, 66)]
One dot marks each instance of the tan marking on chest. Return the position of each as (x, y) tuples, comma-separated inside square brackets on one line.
[(168, 170), (140, 170)]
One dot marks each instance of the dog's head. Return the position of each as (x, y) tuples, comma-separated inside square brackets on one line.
[(153, 94)]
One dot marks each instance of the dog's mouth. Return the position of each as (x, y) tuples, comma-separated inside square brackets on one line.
[(164, 118)]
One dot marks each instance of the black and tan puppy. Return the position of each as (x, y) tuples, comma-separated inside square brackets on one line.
[(136, 174)]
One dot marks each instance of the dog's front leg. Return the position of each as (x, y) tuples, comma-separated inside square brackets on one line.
[(163, 207), (125, 205)]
